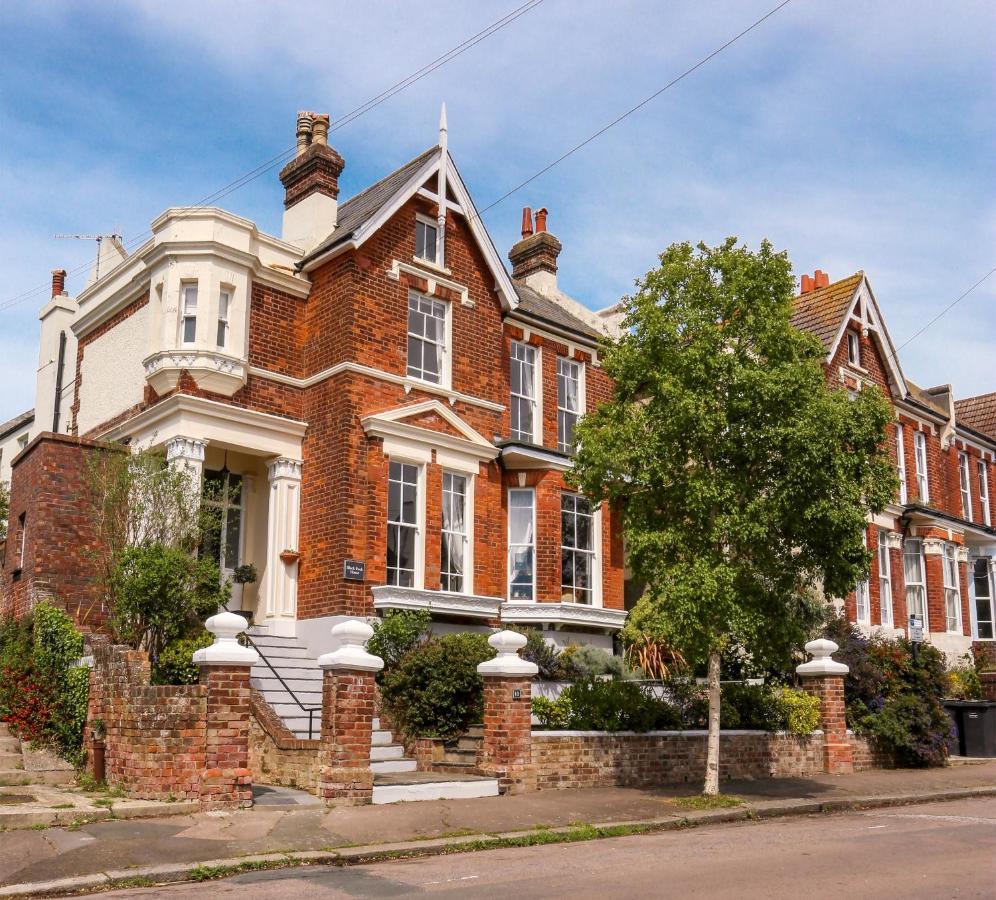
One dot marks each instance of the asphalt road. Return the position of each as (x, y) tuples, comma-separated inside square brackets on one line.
[(928, 851)]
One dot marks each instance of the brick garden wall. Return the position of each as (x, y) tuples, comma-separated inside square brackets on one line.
[(156, 736)]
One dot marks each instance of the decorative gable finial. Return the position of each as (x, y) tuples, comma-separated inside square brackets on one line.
[(442, 126)]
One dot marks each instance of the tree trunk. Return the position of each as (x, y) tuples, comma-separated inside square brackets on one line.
[(712, 747)]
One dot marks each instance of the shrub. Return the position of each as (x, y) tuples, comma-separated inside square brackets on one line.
[(43, 693), (749, 706), (161, 594), (175, 664), (541, 652), (962, 682), (434, 689), (586, 661), (798, 712), (597, 705), (397, 634), (891, 699)]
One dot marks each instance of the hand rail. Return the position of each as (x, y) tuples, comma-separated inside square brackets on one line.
[(310, 710)]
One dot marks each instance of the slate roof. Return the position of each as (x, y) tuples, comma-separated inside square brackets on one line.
[(357, 211), (820, 312), (978, 413), (19, 421), (537, 306)]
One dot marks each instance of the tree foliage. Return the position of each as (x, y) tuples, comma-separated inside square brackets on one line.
[(4, 508), (742, 477)]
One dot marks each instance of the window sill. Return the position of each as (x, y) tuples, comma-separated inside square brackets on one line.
[(473, 606), (434, 267), (561, 613)]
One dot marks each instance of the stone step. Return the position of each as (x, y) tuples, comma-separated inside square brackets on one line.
[(376, 723), (469, 743), (460, 756), (475, 731), (299, 725), (10, 745), (275, 654), (385, 766), (288, 711), (282, 663), (381, 738), (307, 698), (12, 760), (5, 730), (462, 768), (406, 788), (47, 777), (394, 751), (298, 680)]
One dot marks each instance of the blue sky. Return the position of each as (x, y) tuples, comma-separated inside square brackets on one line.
[(853, 135)]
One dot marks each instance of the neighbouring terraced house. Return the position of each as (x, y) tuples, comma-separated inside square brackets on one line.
[(392, 414)]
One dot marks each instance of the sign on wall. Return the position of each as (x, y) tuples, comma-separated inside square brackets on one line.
[(354, 570)]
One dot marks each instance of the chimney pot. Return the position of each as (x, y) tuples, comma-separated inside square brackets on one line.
[(58, 282), (320, 128), (806, 284), (821, 279), (541, 220), (303, 131), (527, 222)]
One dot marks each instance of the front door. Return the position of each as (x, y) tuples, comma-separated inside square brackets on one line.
[(223, 508)]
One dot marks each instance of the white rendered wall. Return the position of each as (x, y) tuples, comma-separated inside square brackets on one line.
[(10, 447), (113, 378)]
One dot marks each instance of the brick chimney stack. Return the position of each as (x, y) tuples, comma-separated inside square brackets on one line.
[(809, 283), (58, 282), (534, 258), (311, 183)]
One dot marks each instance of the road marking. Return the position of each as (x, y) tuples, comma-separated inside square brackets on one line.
[(448, 880), (877, 826), (976, 819)]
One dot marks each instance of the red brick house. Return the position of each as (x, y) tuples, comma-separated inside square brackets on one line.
[(391, 410), (934, 547)]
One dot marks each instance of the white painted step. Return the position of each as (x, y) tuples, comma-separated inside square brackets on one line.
[(393, 765), (395, 751), (376, 723), (308, 698), (435, 790), (381, 738)]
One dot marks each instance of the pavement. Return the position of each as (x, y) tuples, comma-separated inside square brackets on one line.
[(288, 828), (929, 850)]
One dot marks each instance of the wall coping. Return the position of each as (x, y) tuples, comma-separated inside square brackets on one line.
[(701, 732)]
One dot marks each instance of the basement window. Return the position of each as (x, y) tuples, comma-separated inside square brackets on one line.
[(425, 240)]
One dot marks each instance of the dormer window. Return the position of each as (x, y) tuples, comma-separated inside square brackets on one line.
[(188, 326), (853, 348), (224, 303), (425, 239)]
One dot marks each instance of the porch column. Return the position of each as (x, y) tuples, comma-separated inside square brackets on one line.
[(823, 677), (283, 518), (506, 751), (184, 454)]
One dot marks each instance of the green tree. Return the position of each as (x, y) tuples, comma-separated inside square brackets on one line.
[(743, 478), (4, 508)]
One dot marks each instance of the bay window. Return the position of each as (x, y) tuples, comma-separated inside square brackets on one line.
[(524, 392), (952, 594), (577, 549), (982, 582), (916, 585), (920, 452), (901, 463), (453, 534), (224, 302), (568, 402), (884, 579), (402, 523), (521, 544), (188, 302)]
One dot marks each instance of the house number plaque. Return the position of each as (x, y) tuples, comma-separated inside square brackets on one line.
[(354, 570)]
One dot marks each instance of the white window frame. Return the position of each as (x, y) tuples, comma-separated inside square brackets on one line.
[(185, 314), (965, 483), (885, 610), (952, 589), (579, 367), (23, 441), (532, 492), (537, 409), (224, 328), (901, 463), (445, 365), (921, 584), (418, 576), (468, 532), (854, 348), (991, 621), (22, 522), (426, 222), (224, 505), (984, 490), (593, 554), (862, 595), (920, 455)]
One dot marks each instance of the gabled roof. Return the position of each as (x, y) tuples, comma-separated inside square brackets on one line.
[(821, 311), (535, 305), (825, 312), (934, 399), (978, 413), (18, 422), (361, 216)]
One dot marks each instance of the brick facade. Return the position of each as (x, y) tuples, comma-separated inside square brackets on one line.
[(348, 707), (50, 520)]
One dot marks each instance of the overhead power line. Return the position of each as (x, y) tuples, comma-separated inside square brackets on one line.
[(286, 154)]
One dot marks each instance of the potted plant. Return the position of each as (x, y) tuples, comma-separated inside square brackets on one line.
[(289, 556), (243, 575)]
